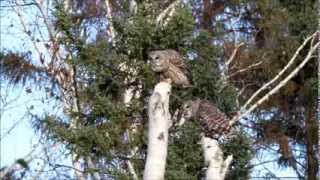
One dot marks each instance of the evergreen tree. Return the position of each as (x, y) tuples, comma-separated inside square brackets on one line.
[(101, 62)]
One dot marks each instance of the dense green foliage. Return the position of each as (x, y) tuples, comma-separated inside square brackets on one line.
[(104, 119)]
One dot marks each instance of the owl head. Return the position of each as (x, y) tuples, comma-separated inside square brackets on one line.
[(159, 61), (190, 109)]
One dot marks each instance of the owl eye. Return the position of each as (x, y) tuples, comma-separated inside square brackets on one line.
[(156, 58), (187, 106)]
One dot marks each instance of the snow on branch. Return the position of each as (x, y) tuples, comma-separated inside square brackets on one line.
[(159, 118)]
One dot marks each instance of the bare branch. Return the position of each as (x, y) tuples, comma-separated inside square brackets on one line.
[(234, 54), (240, 93), (294, 57), (165, 16), (15, 166), (280, 85), (50, 29), (132, 170), (110, 22), (18, 11), (252, 66)]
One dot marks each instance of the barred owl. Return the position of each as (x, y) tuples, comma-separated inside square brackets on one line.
[(169, 64), (213, 122)]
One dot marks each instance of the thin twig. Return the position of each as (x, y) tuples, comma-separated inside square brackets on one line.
[(245, 69), (229, 61), (17, 9)]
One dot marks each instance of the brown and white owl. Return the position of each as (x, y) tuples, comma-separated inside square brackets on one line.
[(213, 122), (169, 64)]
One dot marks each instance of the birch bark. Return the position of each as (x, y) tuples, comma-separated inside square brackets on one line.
[(158, 132), (213, 157)]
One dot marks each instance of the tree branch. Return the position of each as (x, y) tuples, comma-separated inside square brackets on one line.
[(234, 53), (292, 60), (281, 84), (245, 69), (17, 9), (110, 22), (165, 16)]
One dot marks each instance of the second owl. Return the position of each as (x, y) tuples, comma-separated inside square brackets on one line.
[(214, 123)]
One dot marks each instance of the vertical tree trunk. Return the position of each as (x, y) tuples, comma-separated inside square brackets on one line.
[(158, 132), (213, 158), (312, 163)]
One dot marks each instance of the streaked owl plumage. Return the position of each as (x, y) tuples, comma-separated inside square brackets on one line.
[(213, 122), (169, 64)]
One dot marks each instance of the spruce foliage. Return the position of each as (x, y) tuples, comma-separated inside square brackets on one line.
[(105, 70)]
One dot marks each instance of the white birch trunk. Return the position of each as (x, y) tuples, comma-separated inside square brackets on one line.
[(92, 166), (159, 117), (217, 167)]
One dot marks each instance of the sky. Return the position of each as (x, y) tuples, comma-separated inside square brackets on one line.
[(22, 137), (18, 137), (13, 115)]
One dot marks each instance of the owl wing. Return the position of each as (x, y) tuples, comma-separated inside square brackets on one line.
[(212, 120), (176, 59)]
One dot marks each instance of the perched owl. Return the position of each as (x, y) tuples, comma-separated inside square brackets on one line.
[(169, 64), (212, 120)]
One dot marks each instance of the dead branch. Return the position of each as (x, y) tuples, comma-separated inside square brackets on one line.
[(252, 66), (18, 11), (280, 85), (165, 16), (292, 60), (234, 53), (110, 22)]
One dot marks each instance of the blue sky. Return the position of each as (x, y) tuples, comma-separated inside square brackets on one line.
[(21, 139), (17, 143)]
